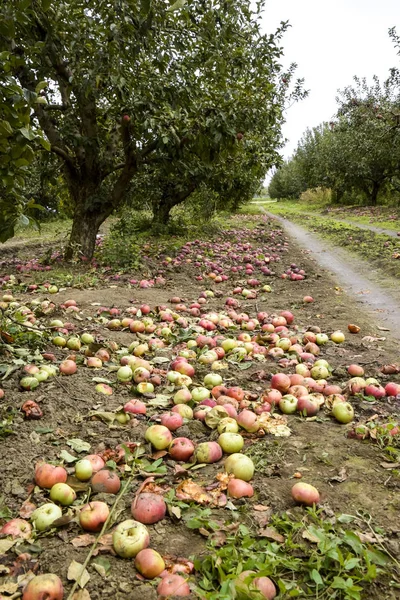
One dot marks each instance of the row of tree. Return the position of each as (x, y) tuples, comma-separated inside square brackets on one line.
[(138, 102), (357, 154)]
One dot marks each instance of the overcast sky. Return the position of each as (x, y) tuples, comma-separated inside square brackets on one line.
[(331, 42)]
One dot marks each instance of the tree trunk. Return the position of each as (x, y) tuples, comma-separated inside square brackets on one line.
[(82, 240), (161, 210), (161, 213), (374, 193)]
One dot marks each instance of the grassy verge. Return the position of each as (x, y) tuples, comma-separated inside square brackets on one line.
[(380, 250), (379, 216)]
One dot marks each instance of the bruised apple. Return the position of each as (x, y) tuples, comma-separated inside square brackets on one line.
[(173, 585), (181, 448), (105, 481), (208, 452), (44, 587), (148, 508)]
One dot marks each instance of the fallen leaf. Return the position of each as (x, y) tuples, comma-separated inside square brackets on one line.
[(8, 587), (271, 534), (27, 509), (175, 511), (369, 538), (387, 465), (102, 566), (67, 457), (81, 595), (159, 454), (78, 574), (260, 507), (204, 532), (383, 328), (307, 535), (84, 540), (5, 545), (218, 538), (341, 476)]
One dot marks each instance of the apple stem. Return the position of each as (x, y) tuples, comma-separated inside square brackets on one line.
[(125, 487)]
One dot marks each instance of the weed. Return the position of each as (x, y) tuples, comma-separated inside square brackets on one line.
[(318, 558)]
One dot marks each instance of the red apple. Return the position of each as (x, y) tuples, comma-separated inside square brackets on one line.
[(47, 475), (96, 461), (304, 493), (17, 528), (44, 587), (181, 448), (172, 420), (106, 481), (149, 563), (93, 516), (148, 508), (173, 585)]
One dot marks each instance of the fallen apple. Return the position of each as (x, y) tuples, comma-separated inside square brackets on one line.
[(240, 465), (44, 587), (129, 538)]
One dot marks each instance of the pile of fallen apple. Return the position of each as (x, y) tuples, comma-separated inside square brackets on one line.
[(187, 340)]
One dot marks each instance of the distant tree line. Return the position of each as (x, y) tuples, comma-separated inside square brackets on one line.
[(357, 154)]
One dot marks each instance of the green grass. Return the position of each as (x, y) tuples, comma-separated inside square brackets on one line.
[(48, 230), (376, 216)]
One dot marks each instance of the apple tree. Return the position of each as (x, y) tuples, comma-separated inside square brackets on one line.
[(129, 85)]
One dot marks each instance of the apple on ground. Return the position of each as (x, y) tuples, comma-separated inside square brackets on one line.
[(44, 587), (45, 515), (93, 516)]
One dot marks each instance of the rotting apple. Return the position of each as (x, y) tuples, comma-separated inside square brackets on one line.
[(148, 508), (106, 481)]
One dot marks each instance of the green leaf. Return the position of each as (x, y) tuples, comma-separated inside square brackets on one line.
[(27, 133), (178, 4), (350, 563), (316, 577), (352, 540), (78, 445), (5, 128), (42, 84), (45, 143), (67, 457)]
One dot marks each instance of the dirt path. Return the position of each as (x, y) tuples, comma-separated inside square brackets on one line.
[(379, 295)]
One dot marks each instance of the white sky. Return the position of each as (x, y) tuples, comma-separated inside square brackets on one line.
[(331, 42)]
